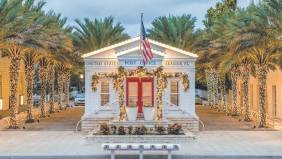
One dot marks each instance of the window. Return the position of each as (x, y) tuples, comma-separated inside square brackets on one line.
[(252, 97), (132, 96), (0, 86), (274, 101), (147, 93), (105, 95), (174, 92)]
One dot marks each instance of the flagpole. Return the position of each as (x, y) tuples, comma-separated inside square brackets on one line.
[(140, 40)]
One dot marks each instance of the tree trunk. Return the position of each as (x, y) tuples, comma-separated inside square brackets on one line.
[(43, 76), (29, 78), (14, 55), (246, 105), (234, 76), (215, 88), (60, 89), (66, 87), (52, 89), (209, 87), (222, 93), (262, 72)]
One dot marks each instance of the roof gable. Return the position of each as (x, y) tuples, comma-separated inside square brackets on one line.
[(132, 45)]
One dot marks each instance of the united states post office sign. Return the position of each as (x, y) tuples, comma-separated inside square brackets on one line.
[(137, 62)]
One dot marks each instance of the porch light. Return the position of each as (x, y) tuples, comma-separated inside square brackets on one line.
[(1, 103), (81, 76), (21, 100)]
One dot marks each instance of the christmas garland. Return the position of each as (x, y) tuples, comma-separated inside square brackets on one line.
[(120, 77)]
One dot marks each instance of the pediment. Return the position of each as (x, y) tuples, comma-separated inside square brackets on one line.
[(131, 49)]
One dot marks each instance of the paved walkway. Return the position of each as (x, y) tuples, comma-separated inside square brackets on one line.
[(214, 120), (207, 143), (58, 138), (62, 121)]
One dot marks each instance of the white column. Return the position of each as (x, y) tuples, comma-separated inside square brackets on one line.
[(92, 98), (187, 99)]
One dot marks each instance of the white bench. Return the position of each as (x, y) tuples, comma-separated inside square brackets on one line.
[(112, 147)]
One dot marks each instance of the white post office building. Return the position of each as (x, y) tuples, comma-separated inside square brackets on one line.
[(121, 90)]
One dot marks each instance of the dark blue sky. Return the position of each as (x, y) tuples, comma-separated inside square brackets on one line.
[(128, 11)]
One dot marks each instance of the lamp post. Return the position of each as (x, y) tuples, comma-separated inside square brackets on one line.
[(1, 103), (81, 77)]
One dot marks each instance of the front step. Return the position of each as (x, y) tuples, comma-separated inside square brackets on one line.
[(163, 156)]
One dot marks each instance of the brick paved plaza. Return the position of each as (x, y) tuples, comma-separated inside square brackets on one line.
[(223, 136)]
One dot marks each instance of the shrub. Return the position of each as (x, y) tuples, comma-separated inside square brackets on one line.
[(121, 130), (140, 130), (174, 129), (160, 129), (114, 129), (130, 130), (104, 129)]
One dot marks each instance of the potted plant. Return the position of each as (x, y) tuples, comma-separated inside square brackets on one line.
[(140, 130), (121, 130), (104, 129), (130, 130), (160, 129), (174, 129), (148, 112), (113, 129), (131, 111)]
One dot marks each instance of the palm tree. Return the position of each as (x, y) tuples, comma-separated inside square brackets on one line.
[(245, 72), (235, 73), (177, 31), (272, 10), (265, 59), (66, 76), (29, 59), (23, 25), (62, 50), (92, 35), (51, 82), (14, 55), (60, 70), (43, 77), (16, 21)]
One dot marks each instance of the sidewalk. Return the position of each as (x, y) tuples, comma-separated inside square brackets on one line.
[(207, 143)]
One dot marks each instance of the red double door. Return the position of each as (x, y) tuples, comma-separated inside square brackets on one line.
[(140, 92)]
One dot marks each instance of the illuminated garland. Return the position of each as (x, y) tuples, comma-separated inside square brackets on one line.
[(120, 77)]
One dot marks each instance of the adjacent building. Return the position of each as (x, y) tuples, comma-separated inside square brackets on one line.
[(273, 94), (5, 81)]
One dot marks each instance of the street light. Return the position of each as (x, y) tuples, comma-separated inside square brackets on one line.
[(1, 103), (21, 100), (80, 82)]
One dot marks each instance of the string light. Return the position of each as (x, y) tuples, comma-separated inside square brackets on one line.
[(120, 77)]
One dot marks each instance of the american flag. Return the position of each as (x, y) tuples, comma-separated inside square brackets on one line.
[(144, 44)]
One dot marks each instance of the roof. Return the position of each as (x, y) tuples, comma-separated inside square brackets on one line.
[(134, 40)]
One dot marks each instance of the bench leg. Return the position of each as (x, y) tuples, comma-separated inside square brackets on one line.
[(112, 154), (169, 154), (141, 154)]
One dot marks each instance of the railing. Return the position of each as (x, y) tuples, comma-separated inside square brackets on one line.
[(173, 107), (77, 124), (109, 107)]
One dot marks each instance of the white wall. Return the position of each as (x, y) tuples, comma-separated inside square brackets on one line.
[(94, 64)]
